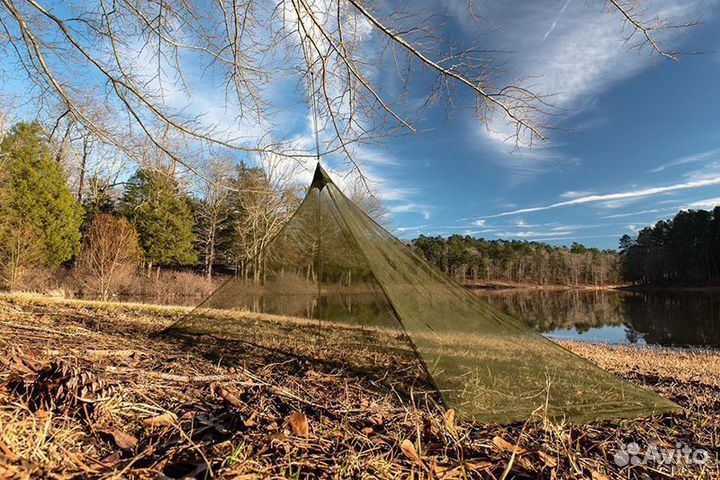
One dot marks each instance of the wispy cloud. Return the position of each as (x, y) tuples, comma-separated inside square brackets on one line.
[(644, 192), (576, 194), (640, 212), (418, 208), (554, 24), (706, 204), (696, 158), (576, 237), (533, 234), (571, 63)]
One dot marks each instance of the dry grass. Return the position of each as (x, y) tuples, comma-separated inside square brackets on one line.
[(135, 405)]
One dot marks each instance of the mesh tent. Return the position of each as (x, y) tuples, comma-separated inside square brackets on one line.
[(335, 286)]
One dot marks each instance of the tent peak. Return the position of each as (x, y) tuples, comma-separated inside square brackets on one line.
[(321, 178)]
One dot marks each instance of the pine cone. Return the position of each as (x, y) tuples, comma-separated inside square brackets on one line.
[(60, 387)]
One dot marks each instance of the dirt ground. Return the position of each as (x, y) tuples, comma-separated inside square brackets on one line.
[(90, 390)]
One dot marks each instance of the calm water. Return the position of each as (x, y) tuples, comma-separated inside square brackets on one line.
[(667, 319)]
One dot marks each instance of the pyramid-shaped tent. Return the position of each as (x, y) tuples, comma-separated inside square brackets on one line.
[(335, 281)]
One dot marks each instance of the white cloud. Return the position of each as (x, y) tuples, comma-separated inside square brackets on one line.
[(707, 204), (644, 192), (575, 237), (554, 24), (533, 234), (698, 157), (708, 171), (576, 194), (582, 54), (640, 212), (423, 210), (619, 203)]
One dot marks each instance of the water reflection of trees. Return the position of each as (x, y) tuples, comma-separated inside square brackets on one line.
[(549, 310), (681, 318)]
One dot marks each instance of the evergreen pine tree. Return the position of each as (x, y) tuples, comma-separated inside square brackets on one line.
[(37, 195), (162, 216)]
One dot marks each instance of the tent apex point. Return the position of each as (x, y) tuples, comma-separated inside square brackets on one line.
[(321, 178)]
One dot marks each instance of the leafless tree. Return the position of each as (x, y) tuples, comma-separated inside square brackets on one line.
[(20, 251), (215, 211), (368, 202), (266, 199), (141, 57), (4, 127), (110, 254)]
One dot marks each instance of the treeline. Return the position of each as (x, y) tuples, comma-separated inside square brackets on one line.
[(682, 251), (469, 259), (107, 235)]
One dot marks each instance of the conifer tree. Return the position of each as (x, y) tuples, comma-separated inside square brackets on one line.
[(162, 216), (37, 196)]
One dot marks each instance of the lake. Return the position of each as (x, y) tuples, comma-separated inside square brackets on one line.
[(609, 316)]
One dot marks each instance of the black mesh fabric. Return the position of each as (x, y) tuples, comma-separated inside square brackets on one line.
[(335, 286)]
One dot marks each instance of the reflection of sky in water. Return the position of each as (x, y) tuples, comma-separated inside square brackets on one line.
[(647, 318), (607, 334)]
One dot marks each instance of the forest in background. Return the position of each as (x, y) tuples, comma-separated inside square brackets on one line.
[(473, 260), (684, 250), (154, 233)]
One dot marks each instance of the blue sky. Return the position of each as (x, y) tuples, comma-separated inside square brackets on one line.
[(638, 137), (641, 140)]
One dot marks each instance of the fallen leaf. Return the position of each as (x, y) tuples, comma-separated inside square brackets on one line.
[(449, 418), (550, 461), (111, 460), (250, 422), (598, 476), (279, 437), (123, 440), (228, 396), (506, 446), (438, 470), (162, 420), (6, 450), (299, 424), (408, 449), (21, 365), (525, 463), (190, 415), (477, 466)]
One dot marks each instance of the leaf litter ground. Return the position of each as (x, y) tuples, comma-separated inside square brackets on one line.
[(91, 390)]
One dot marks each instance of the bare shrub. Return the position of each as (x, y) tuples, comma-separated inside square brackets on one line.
[(109, 255), (170, 286), (20, 251)]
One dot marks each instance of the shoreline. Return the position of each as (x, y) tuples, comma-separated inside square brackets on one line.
[(505, 287)]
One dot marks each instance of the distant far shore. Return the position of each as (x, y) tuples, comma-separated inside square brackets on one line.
[(502, 286), (669, 288), (491, 285)]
